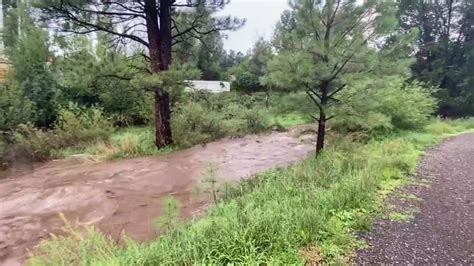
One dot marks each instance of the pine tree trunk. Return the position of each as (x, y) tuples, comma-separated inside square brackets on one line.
[(162, 119), (159, 38), (321, 133)]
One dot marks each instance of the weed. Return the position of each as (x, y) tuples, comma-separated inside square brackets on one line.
[(211, 179), (169, 221)]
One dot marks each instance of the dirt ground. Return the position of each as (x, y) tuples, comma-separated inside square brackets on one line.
[(442, 231), (127, 195)]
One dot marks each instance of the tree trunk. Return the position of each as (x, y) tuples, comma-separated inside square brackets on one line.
[(159, 38), (162, 120), (321, 133), (322, 118)]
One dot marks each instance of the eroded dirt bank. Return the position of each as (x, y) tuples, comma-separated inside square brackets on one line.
[(127, 195)]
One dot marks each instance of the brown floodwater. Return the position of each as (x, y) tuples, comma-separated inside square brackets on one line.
[(127, 196)]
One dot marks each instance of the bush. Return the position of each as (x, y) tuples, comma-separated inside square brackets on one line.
[(192, 124), (39, 144), (206, 117), (15, 108), (128, 143), (292, 102), (127, 105), (246, 82), (75, 126), (381, 105), (409, 106), (256, 120)]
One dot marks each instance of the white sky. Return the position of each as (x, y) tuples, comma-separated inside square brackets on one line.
[(261, 15)]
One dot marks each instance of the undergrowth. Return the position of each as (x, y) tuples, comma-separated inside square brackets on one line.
[(200, 119), (306, 213)]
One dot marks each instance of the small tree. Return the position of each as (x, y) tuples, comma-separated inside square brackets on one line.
[(325, 44), (151, 25), (26, 46), (249, 72)]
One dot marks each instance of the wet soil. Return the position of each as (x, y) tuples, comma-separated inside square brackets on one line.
[(442, 230), (127, 196)]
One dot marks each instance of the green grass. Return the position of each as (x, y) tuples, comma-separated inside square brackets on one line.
[(124, 143), (308, 212), (291, 119)]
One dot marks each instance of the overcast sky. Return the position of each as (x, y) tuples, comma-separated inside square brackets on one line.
[(261, 15)]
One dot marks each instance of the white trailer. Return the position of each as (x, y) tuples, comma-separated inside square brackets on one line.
[(208, 85)]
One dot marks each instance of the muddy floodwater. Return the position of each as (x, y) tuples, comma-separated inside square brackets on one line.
[(128, 195)]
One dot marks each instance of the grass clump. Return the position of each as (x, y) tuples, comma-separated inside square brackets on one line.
[(447, 126), (309, 211)]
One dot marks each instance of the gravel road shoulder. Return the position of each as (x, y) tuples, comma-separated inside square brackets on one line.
[(442, 228)]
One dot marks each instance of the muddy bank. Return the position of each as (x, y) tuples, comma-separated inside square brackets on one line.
[(127, 195)]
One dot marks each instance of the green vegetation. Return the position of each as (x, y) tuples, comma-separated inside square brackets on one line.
[(75, 126), (307, 211), (445, 50), (373, 75), (123, 143), (87, 133)]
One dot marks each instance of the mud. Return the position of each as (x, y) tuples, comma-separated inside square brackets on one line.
[(127, 195)]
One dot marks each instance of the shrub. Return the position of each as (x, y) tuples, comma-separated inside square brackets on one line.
[(205, 117), (247, 82), (381, 105), (75, 126), (192, 123), (128, 105), (256, 120), (292, 102), (15, 108), (39, 144), (409, 106)]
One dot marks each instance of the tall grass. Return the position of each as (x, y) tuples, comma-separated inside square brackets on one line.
[(124, 143), (308, 212)]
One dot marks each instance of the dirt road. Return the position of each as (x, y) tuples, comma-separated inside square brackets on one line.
[(443, 231), (128, 195)]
